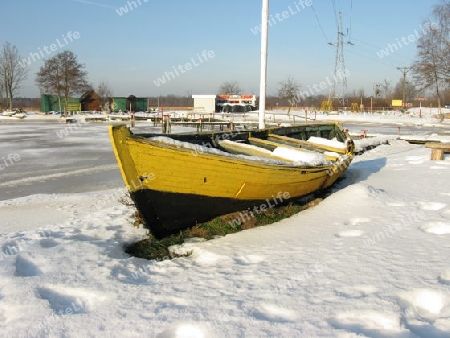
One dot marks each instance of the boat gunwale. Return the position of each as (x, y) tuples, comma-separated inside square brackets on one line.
[(233, 157)]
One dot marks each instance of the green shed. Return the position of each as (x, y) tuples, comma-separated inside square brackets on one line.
[(119, 103), (50, 103), (123, 103), (140, 104)]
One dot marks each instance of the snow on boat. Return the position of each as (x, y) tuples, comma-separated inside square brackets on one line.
[(179, 180), (8, 113), (20, 115)]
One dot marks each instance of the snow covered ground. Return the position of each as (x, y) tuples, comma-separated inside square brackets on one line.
[(371, 260)]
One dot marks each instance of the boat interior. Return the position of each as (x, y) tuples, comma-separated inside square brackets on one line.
[(334, 141)]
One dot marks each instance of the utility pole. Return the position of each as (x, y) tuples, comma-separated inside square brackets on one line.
[(263, 71), (376, 93), (340, 74), (405, 71)]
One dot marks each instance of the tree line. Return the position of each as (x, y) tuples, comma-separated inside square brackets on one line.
[(62, 75)]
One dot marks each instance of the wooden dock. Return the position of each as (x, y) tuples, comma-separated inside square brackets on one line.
[(200, 125)]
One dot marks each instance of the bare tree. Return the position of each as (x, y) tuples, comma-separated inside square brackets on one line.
[(230, 87), (442, 14), (361, 92), (427, 69), (63, 76), (432, 66), (12, 71), (105, 92), (386, 85), (2, 90), (289, 89), (406, 87)]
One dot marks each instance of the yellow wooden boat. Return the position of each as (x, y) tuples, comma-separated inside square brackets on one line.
[(179, 180)]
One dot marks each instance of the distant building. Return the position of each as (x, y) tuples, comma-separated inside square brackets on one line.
[(91, 101), (51, 103), (206, 103), (130, 103), (225, 103), (235, 103)]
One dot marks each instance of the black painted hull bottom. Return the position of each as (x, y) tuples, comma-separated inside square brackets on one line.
[(169, 213)]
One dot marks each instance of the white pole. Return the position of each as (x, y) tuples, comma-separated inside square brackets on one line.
[(263, 79)]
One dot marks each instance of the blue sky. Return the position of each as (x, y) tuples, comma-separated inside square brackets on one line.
[(130, 51)]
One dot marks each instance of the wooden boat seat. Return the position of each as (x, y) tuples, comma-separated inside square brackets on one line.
[(249, 150), (271, 145), (305, 144)]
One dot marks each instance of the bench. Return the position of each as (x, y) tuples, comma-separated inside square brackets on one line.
[(438, 150)]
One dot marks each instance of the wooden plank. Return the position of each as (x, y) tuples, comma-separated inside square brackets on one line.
[(437, 154), (289, 142), (438, 150), (270, 145), (436, 145), (249, 150), (307, 144)]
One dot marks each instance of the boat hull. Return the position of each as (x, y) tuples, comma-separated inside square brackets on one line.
[(168, 213)]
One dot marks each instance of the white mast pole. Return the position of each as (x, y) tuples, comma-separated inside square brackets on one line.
[(263, 79)]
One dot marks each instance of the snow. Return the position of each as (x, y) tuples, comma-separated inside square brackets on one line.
[(298, 158), (331, 143), (370, 260), (197, 149), (301, 157)]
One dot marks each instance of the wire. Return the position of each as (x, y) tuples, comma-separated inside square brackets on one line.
[(335, 13), (350, 19), (371, 58), (318, 22), (375, 50), (363, 49)]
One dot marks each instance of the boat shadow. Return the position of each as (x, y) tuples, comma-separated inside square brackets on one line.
[(359, 172)]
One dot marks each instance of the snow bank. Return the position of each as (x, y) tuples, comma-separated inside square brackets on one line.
[(371, 142), (369, 260)]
